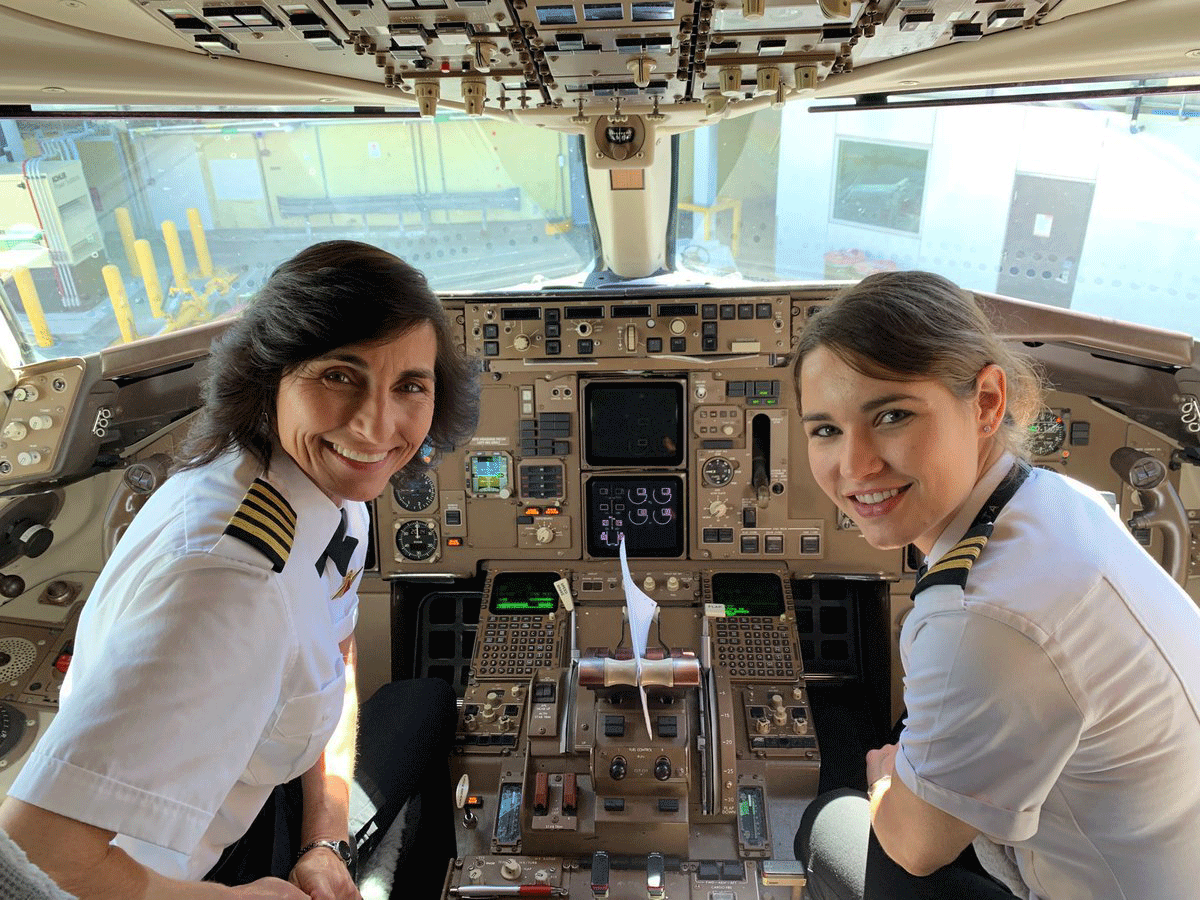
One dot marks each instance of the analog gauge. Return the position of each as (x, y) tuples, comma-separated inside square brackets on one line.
[(718, 471), (413, 492), (1047, 433), (416, 540)]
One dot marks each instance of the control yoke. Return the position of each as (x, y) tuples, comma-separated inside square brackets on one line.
[(1161, 506)]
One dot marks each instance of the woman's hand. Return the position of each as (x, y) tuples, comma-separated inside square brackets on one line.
[(322, 875), (269, 889), (881, 762)]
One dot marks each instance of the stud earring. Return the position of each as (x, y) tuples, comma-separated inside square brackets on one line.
[(987, 429)]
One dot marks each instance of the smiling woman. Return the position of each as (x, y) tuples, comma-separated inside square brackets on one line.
[(352, 418), (1018, 729), (228, 610)]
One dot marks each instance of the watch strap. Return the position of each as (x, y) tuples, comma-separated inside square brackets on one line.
[(342, 848)]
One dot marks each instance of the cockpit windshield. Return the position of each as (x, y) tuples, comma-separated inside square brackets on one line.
[(1090, 205), (119, 226), (113, 229)]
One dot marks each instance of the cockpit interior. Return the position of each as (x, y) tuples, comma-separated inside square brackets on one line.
[(629, 209)]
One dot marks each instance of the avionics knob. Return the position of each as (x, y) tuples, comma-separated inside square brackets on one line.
[(511, 870), (717, 509), (648, 583), (672, 583), (16, 431), (778, 710), (40, 422), (545, 534), (25, 393), (521, 342), (762, 725), (618, 768), (678, 326), (662, 768), (32, 538)]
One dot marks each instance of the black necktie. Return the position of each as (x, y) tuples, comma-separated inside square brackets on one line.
[(339, 550)]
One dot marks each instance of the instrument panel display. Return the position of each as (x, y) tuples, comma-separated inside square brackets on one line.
[(648, 511), (748, 593), (523, 593)]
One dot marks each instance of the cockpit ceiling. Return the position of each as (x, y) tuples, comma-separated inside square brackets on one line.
[(686, 60)]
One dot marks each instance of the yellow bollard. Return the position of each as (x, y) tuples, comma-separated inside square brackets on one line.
[(120, 303), (154, 292), (200, 242), (33, 306), (175, 254), (125, 226)]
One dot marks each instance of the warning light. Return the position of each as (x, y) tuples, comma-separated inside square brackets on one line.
[(533, 511), (454, 542), (552, 510)]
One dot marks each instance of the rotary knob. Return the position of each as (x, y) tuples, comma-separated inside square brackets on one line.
[(717, 509), (511, 870), (618, 768), (521, 342), (662, 768), (16, 431), (544, 534)]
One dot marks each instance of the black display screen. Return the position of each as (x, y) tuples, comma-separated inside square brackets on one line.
[(748, 593), (632, 423), (647, 511), (523, 593)]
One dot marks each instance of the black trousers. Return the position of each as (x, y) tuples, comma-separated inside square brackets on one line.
[(405, 734), (845, 861)]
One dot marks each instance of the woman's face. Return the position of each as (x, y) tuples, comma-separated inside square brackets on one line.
[(897, 457), (355, 416)]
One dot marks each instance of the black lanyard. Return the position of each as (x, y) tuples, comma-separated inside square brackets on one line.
[(955, 565)]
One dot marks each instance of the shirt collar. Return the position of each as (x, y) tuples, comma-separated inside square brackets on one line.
[(958, 526), (309, 501)]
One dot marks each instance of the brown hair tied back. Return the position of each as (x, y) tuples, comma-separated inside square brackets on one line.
[(908, 326)]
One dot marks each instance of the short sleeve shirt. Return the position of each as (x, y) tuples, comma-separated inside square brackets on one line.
[(205, 671), (1052, 703)]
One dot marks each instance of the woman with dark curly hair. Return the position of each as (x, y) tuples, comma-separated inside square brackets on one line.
[(208, 729)]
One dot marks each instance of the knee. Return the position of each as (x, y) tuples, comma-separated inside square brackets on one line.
[(836, 810), (832, 843)]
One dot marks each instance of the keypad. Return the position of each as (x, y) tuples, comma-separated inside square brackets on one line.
[(755, 648), (515, 647)]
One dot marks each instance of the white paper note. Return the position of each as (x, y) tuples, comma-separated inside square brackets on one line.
[(641, 611)]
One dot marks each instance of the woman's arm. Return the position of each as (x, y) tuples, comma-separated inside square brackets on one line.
[(81, 860), (917, 835), (327, 797)]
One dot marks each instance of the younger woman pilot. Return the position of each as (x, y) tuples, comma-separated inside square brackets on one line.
[(1051, 666)]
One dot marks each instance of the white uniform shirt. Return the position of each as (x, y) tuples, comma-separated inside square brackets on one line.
[(201, 676), (1053, 705)]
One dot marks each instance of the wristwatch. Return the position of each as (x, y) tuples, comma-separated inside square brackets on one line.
[(344, 849)]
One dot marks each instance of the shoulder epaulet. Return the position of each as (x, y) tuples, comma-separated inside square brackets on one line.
[(265, 521), (955, 566)]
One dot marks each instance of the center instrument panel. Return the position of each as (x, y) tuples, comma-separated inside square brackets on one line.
[(571, 782)]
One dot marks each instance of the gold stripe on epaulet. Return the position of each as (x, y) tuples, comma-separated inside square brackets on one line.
[(961, 556), (954, 567), (265, 521)]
